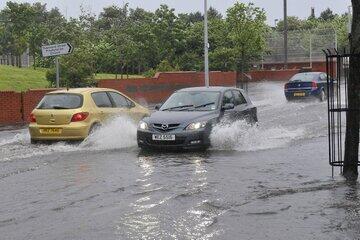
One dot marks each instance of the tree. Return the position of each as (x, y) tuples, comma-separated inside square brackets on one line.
[(37, 31), (294, 23), (327, 15), (18, 17), (246, 32), (353, 115), (196, 17), (214, 14)]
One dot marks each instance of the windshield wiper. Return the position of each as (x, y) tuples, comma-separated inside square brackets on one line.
[(183, 106), (204, 105)]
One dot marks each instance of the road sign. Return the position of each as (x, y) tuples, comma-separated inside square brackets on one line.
[(56, 49)]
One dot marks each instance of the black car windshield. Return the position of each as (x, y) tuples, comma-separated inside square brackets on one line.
[(304, 77), (192, 100), (61, 101)]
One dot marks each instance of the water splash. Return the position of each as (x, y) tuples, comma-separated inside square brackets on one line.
[(241, 136), (268, 94), (118, 133), (21, 137)]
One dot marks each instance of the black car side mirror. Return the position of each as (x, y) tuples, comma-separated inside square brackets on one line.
[(228, 106), (157, 107)]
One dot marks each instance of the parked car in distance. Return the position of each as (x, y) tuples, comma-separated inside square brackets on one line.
[(74, 113), (306, 85), (187, 117)]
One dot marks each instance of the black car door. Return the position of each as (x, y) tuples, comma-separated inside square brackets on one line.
[(229, 114), (241, 107)]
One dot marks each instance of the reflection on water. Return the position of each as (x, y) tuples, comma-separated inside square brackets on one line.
[(168, 206)]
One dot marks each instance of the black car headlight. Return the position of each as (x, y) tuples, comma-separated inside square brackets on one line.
[(143, 125), (196, 126)]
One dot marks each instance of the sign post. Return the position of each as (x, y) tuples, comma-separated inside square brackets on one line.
[(57, 72), (55, 51)]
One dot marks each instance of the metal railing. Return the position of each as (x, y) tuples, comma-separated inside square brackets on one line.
[(337, 67)]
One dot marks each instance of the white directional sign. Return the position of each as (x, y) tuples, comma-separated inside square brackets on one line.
[(56, 49)]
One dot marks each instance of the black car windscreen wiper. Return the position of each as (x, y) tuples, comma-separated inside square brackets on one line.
[(204, 105), (183, 106)]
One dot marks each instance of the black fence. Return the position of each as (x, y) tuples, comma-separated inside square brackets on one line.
[(337, 67)]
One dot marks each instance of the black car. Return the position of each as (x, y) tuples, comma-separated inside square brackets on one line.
[(186, 119)]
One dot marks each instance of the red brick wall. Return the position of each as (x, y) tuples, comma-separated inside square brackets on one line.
[(284, 75), (10, 108), (272, 75), (16, 107), (31, 98), (316, 66), (157, 89)]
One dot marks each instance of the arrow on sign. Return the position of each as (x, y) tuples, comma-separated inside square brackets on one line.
[(56, 49), (70, 47)]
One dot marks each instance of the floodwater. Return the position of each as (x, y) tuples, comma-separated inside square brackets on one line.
[(270, 181)]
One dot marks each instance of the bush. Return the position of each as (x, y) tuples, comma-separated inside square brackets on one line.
[(165, 66), (150, 73)]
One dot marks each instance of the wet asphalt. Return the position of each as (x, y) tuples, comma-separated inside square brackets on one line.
[(270, 181)]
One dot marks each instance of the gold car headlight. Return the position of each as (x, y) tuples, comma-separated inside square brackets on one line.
[(196, 126), (143, 125)]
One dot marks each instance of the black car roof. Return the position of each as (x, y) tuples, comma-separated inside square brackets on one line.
[(305, 73), (206, 89)]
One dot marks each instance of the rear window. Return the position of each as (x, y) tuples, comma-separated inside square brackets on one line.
[(61, 101), (304, 77)]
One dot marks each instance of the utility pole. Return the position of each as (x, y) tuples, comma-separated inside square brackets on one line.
[(285, 35), (351, 157), (311, 64), (206, 45)]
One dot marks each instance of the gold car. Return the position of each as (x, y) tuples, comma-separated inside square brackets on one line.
[(73, 114)]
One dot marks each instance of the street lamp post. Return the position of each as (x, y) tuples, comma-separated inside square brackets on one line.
[(285, 35), (349, 19), (206, 45), (275, 23)]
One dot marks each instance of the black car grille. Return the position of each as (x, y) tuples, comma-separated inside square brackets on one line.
[(165, 127)]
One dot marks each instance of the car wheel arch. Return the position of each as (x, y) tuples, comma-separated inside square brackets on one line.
[(94, 126)]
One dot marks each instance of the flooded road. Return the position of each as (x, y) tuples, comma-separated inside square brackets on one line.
[(270, 181)]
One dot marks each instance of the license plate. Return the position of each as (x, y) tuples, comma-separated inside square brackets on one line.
[(299, 94), (163, 137), (50, 131)]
